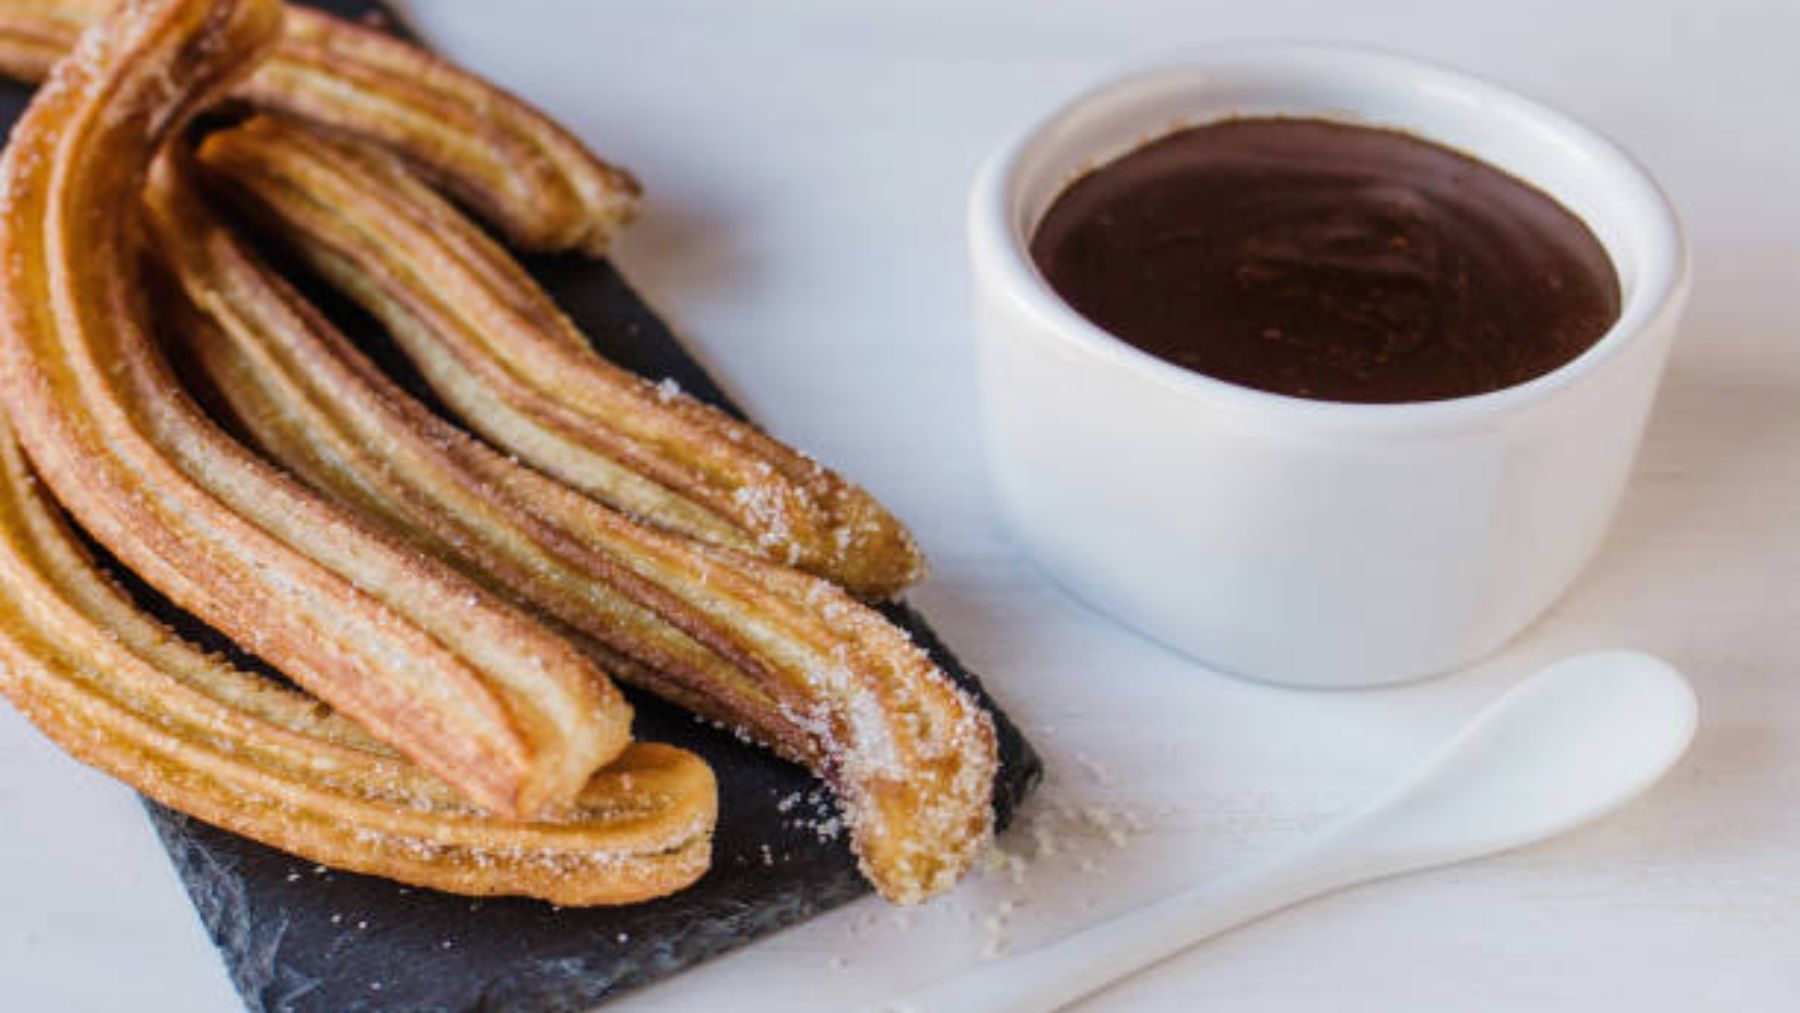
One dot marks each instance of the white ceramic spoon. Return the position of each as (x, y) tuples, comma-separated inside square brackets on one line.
[(1571, 743)]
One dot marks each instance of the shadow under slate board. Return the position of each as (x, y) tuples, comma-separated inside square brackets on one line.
[(300, 938)]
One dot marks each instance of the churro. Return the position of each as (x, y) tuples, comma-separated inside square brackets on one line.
[(528, 177), (497, 350), (124, 694), (460, 681), (787, 659)]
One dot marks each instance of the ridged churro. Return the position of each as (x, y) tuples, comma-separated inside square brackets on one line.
[(531, 179), (462, 682), (497, 350), (121, 692), (786, 658)]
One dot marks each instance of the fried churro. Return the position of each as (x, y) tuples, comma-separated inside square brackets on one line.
[(786, 658), (497, 350), (124, 694), (455, 678), (521, 172)]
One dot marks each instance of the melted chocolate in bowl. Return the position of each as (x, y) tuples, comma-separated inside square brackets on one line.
[(1327, 261)]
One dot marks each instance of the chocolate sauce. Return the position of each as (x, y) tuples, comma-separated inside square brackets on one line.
[(1328, 261)]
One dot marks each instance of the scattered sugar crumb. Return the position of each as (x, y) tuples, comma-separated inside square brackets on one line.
[(999, 861), (997, 925), (1093, 768)]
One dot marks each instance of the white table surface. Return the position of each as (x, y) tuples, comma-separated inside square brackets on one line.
[(807, 164)]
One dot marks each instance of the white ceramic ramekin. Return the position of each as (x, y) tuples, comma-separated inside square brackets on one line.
[(1305, 542)]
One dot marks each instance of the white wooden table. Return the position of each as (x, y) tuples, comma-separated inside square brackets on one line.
[(807, 164)]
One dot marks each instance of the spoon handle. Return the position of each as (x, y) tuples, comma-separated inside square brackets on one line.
[(1058, 974)]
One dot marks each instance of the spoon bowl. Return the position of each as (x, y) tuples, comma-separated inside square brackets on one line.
[(1578, 740)]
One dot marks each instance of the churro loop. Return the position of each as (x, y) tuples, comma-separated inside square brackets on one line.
[(120, 691), (457, 679)]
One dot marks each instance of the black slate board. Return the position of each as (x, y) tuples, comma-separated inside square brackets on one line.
[(297, 938)]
